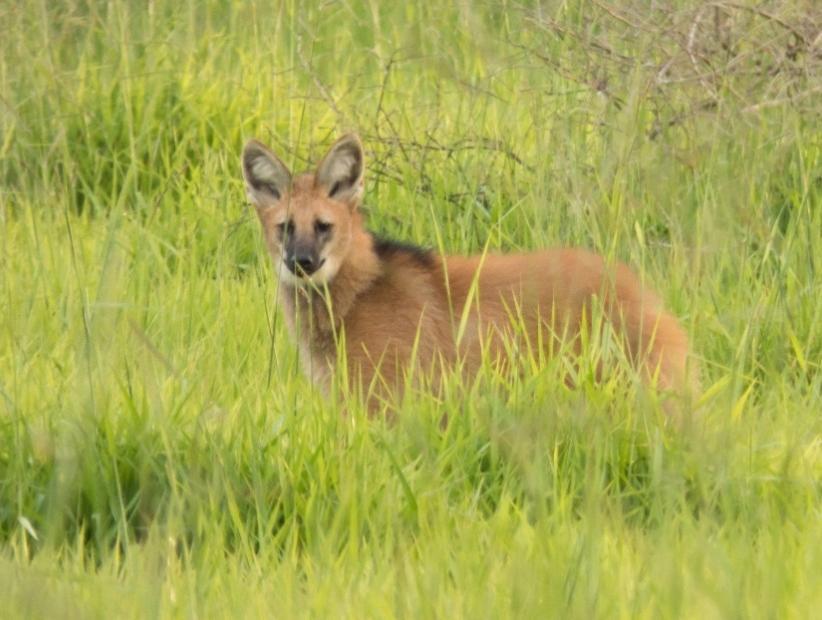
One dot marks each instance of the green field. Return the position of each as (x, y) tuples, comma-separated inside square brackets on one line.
[(161, 453)]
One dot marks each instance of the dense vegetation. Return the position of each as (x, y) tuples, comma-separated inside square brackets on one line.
[(160, 452)]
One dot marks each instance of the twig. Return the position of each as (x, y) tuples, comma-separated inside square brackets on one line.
[(309, 69), (766, 15), (689, 48), (772, 103)]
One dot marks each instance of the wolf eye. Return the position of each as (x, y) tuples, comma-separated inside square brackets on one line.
[(321, 227), (286, 227)]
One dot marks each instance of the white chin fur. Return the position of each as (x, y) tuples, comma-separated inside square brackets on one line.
[(323, 275)]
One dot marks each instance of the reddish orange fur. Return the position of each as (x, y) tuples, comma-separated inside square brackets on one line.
[(389, 309)]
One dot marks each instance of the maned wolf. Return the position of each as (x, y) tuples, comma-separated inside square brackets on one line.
[(393, 306)]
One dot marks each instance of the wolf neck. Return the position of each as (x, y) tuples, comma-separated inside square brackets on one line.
[(317, 313)]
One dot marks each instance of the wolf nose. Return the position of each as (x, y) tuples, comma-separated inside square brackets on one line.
[(306, 265), (302, 265)]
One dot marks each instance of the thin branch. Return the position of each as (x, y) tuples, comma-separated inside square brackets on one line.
[(766, 15)]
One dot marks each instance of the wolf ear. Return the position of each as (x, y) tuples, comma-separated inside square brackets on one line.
[(341, 170), (266, 177)]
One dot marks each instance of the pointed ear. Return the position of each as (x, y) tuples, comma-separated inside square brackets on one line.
[(266, 177), (341, 170)]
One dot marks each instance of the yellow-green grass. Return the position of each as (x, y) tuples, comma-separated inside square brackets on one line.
[(160, 452)]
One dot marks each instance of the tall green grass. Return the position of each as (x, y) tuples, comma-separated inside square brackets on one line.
[(160, 452)]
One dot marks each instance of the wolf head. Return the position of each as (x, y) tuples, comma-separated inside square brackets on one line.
[(307, 219)]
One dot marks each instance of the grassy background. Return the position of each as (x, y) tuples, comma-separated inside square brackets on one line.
[(160, 452)]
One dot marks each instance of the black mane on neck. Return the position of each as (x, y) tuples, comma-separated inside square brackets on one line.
[(388, 248)]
